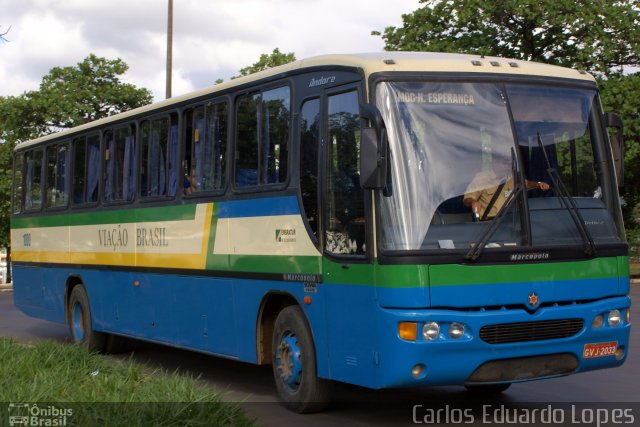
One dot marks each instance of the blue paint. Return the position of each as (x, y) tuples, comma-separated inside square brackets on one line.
[(288, 361), (272, 206), (76, 323), (450, 361), (356, 340)]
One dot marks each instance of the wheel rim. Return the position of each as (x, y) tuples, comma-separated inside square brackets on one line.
[(78, 324), (289, 361)]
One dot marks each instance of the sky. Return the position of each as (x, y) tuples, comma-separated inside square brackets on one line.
[(211, 38)]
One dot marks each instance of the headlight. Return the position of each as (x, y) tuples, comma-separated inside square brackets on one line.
[(456, 330), (615, 318), (430, 331)]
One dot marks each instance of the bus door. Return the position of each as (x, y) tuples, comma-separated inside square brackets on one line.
[(346, 266)]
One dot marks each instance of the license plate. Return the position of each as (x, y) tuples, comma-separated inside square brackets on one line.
[(601, 349)]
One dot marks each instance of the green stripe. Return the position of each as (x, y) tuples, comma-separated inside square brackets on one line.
[(275, 264), (124, 216), (453, 275), (215, 262), (415, 276)]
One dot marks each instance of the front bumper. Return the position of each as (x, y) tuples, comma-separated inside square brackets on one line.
[(470, 360)]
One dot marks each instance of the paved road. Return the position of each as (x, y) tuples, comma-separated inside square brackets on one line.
[(354, 406)]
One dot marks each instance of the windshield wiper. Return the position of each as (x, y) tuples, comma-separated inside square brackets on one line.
[(477, 248), (569, 204)]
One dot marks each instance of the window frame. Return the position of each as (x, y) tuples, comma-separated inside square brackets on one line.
[(25, 179), (168, 115), (85, 137), (260, 90), (67, 175), (20, 196), (316, 235), (133, 126), (367, 255), (185, 165)]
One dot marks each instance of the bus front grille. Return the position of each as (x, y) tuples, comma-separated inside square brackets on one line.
[(530, 331)]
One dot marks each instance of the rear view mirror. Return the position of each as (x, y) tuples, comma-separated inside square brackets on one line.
[(612, 120), (373, 150)]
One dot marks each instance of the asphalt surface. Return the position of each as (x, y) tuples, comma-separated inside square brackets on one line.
[(253, 387)]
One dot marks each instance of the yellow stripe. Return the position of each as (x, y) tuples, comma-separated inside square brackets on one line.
[(170, 261), (166, 260)]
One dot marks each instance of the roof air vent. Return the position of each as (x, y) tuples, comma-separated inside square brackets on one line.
[(476, 63), (389, 61), (495, 63)]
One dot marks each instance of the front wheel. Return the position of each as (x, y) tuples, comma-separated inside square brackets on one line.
[(80, 321), (294, 364)]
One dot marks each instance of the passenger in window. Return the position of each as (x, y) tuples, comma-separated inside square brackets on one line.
[(490, 189), (190, 182)]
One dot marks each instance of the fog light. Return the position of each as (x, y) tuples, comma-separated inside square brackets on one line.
[(619, 352), (598, 321), (408, 330), (417, 371), (430, 331), (456, 330), (615, 318)]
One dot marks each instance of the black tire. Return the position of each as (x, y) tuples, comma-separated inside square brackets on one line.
[(116, 344), (80, 322), (487, 389), (294, 364)]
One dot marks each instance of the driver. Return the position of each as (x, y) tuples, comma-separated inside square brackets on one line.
[(489, 190)]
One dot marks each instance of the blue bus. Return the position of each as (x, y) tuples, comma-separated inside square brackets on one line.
[(384, 220)]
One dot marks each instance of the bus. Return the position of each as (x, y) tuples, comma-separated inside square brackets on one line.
[(312, 217)]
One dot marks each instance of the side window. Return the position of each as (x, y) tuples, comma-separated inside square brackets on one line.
[(86, 169), (345, 223), (57, 164), (159, 166), (309, 146), (119, 164), (17, 183), (206, 149), (247, 141), (33, 180), (263, 123), (275, 136)]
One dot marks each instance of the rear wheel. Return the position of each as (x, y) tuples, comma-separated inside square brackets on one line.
[(80, 321), (294, 364)]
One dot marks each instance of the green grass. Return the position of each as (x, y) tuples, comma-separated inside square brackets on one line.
[(105, 391)]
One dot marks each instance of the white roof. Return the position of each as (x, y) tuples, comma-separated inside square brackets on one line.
[(370, 63)]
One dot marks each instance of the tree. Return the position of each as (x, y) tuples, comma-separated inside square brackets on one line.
[(621, 93), (267, 61), (68, 97), (595, 35), (2, 38)]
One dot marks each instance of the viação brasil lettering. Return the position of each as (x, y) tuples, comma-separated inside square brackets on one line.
[(113, 238), (152, 237)]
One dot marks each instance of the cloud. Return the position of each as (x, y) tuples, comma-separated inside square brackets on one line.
[(211, 39)]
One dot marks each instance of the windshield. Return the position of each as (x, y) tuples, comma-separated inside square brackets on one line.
[(459, 151)]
